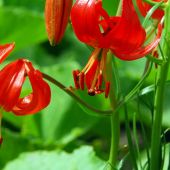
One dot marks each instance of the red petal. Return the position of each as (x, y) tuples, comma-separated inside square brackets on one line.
[(11, 80), (37, 100), (142, 51), (5, 50), (84, 19), (121, 33), (128, 33)]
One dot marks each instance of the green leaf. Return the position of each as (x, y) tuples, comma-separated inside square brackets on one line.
[(65, 118), (28, 28), (81, 159), (147, 95), (29, 4), (13, 144)]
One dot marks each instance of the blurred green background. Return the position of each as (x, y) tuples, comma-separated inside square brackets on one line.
[(64, 136)]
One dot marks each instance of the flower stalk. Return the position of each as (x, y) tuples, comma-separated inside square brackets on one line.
[(159, 97), (70, 92), (115, 123)]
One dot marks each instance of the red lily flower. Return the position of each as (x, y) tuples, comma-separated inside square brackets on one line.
[(144, 7), (5, 50), (57, 13), (123, 35), (12, 78)]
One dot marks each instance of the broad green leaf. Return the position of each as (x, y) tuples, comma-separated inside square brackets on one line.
[(130, 73), (65, 118), (29, 4), (13, 144), (63, 114), (81, 159), (28, 27)]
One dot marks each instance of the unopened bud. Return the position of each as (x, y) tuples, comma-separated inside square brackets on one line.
[(57, 13)]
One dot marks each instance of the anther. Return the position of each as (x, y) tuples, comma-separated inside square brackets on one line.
[(76, 78), (1, 140), (81, 80), (91, 92), (99, 81), (107, 89), (99, 91)]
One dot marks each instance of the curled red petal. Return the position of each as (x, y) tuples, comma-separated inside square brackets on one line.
[(11, 80), (142, 51), (128, 34), (38, 99), (5, 50), (84, 19)]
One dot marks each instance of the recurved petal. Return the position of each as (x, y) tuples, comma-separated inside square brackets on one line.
[(5, 50), (128, 33), (141, 51), (38, 99), (11, 80), (84, 17)]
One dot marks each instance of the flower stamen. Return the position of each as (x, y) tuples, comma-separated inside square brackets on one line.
[(92, 74)]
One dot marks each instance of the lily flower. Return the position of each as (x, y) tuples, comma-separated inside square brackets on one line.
[(123, 35), (12, 78), (57, 13), (144, 7)]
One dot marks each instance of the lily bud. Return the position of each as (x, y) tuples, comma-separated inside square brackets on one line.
[(57, 13)]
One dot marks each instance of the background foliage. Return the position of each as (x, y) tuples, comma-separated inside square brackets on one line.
[(57, 137)]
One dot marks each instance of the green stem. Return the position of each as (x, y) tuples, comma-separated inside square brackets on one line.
[(159, 96), (71, 93), (1, 111), (115, 123), (152, 3)]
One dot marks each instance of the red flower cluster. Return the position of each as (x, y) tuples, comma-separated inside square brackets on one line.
[(145, 7), (123, 35)]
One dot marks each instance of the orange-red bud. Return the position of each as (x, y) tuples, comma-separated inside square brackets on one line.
[(57, 13)]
